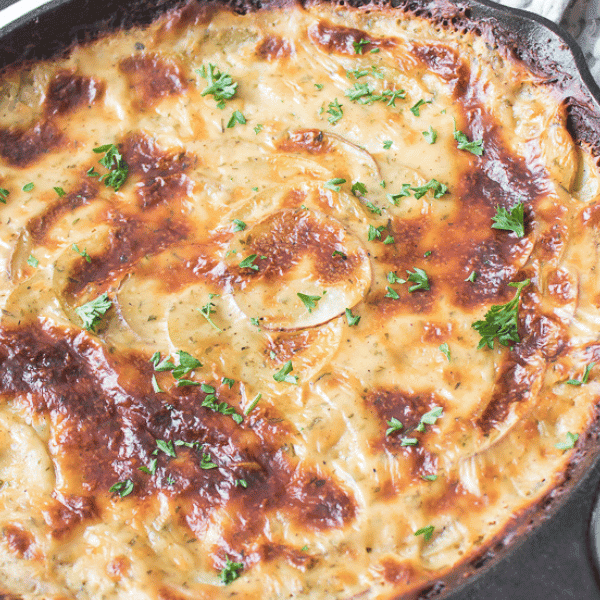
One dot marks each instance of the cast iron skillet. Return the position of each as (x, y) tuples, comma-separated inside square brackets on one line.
[(549, 559)]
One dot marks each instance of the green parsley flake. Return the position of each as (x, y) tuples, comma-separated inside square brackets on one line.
[(510, 221), (151, 469), (82, 253), (187, 363), (157, 389), (335, 111), (445, 350), (472, 277), (241, 483), (426, 532), (338, 253), (393, 278), (501, 321), (352, 320), (319, 86), (258, 129), (4, 193), (394, 198), (358, 46), (430, 135), (206, 462), (123, 488), (391, 293), (359, 188), (208, 309), (387, 144), (230, 571), (92, 312), (419, 278), (253, 404), (59, 191), (334, 184), (409, 442), (375, 232), (389, 240), (584, 379), (32, 261), (238, 225), (416, 108), (248, 262), (569, 443), (429, 477), (220, 85), (115, 164), (166, 447), (394, 426), (309, 301), (374, 209), (439, 189), (463, 143), (429, 418), (28, 187), (236, 117), (228, 382), (283, 375)]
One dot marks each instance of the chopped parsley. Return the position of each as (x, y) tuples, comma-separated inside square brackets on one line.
[(157, 389), (92, 312), (363, 94), (319, 86), (375, 232), (187, 363), (394, 426), (394, 198), (501, 321), (253, 404), (358, 73), (82, 253), (430, 135), (584, 379), (258, 128), (241, 483), (28, 187), (4, 193), (186, 382), (284, 374), (166, 447), (569, 443), (236, 117), (445, 350), (352, 320), (248, 262), (429, 477), (32, 261), (338, 253), (151, 469), (228, 382), (463, 143), (60, 191), (309, 301), (359, 188), (389, 240), (439, 189), (210, 402), (238, 225), (208, 309), (393, 278), (123, 488), (391, 293), (114, 163), (387, 144), (230, 571), (254, 321), (358, 46), (419, 278), (510, 221), (335, 112), (472, 277), (220, 85), (429, 418), (206, 463), (409, 442), (416, 108), (334, 184), (426, 532)]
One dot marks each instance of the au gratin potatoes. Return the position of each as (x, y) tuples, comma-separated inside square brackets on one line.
[(300, 303)]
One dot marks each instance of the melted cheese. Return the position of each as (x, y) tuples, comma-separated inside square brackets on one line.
[(248, 246)]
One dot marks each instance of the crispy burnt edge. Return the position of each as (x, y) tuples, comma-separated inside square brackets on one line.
[(556, 62)]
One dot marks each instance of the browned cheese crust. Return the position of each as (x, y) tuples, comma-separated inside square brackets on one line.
[(277, 390)]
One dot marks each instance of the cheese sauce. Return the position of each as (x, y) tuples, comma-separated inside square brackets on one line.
[(248, 367)]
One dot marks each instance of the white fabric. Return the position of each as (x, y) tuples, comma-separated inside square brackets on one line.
[(551, 9)]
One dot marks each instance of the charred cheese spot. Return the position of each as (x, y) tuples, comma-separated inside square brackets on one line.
[(273, 48), (341, 40), (311, 141), (19, 541), (23, 147), (68, 91), (152, 78)]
